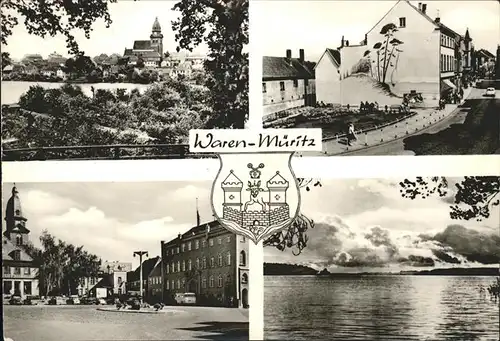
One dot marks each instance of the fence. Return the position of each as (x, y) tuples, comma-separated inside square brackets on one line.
[(103, 152)]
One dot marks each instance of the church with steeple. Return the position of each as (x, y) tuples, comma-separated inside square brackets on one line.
[(19, 276), (149, 51)]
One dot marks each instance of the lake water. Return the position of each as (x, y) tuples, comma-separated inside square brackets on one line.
[(379, 308), (12, 90)]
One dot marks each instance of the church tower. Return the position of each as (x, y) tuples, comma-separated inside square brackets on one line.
[(16, 230), (157, 38)]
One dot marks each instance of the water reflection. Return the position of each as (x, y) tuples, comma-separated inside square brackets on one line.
[(379, 308)]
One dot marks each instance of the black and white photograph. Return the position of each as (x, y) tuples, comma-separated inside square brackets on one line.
[(120, 79), (391, 77), (412, 258), (116, 261)]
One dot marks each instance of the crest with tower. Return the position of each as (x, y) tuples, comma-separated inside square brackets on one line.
[(254, 204)]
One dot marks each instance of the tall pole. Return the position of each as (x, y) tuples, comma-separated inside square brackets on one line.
[(140, 254)]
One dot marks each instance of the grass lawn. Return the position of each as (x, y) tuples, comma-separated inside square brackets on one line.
[(479, 134), (333, 125)]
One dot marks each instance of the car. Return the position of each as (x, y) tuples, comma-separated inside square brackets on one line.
[(101, 301), (89, 300), (16, 300), (185, 298), (57, 300), (73, 300), (490, 92), (32, 300)]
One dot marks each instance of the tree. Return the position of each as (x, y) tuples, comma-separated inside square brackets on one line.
[(6, 59), (474, 198), (223, 25), (386, 49), (49, 18)]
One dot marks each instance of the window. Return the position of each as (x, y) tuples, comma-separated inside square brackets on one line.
[(177, 250), (119, 280), (19, 239), (173, 267), (6, 270), (17, 271), (173, 284), (167, 268), (196, 244), (228, 258), (212, 262), (282, 86), (220, 260), (264, 90), (16, 254), (204, 263), (203, 282), (228, 239), (219, 240), (189, 246), (190, 265), (178, 266), (244, 279), (212, 281), (402, 22), (220, 281), (27, 288), (183, 247), (168, 285), (179, 284), (92, 281), (197, 263), (203, 243), (183, 265), (183, 283), (295, 83), (243, 239), (243, 258)]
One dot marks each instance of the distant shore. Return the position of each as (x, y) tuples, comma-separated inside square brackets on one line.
[(280, 269)]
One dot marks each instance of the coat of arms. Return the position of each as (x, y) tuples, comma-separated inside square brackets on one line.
[(255, 195)]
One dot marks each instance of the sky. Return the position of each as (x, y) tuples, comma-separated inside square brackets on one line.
[(366, 220), (369, 222), (132, 20), (112, 220), (316, 25)]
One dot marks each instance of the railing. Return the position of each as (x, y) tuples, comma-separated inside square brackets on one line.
[(103, 152)]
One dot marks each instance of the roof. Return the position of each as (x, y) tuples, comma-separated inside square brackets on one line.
[(127, 52), (197, 230), (232, 181), (288, 68), (150, 54), (486, 53), (156, 25), (333, 54), (278, 180), (7, 251), (147, 266), (8, 68), (142, 45)]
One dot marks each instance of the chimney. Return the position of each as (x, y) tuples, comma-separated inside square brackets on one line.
[(437, 20), (342, 42), (424, 8), (289, 54), (301, 55), (366, 39), (419, 6), (347, 43)]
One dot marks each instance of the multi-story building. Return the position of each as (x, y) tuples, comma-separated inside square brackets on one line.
[(154, 286), (133, 277), (287, 83), (112, 276), (407, 52), (209, 261), (150, 51), (20, 273)]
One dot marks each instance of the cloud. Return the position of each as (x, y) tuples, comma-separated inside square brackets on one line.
[(36, 202)]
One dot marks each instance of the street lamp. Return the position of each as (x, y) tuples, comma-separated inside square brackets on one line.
[(140, 254)]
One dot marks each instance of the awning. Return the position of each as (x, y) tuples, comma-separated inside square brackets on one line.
[(447, 85)]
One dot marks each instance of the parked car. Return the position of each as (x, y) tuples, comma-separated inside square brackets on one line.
[(490, 92), (32, 300), (89, 300), (73, 300), (185, 298), (16, 300), (101, 301), (57, 300)]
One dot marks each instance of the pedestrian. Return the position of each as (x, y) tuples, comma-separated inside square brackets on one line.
[(386, 108), (351, 135), (361, 107)]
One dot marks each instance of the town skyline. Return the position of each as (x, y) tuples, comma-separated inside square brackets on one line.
[(277, 33), (369, 221), (115, 39), (112, 220)]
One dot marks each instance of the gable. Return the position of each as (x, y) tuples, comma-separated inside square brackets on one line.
[(403, 6), (8, 248)]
